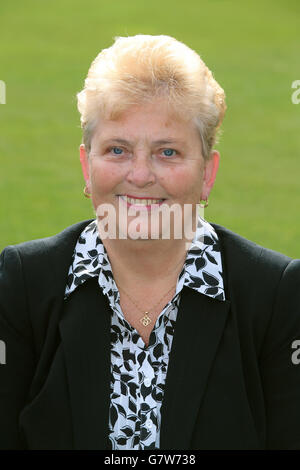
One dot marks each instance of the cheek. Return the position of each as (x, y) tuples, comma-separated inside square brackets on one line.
[(181, 182), (104, 178)]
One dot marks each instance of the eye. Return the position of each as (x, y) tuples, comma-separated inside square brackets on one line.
[(119, 150), (169, 152)]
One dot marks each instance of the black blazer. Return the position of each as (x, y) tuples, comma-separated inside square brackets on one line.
[(231, 381)]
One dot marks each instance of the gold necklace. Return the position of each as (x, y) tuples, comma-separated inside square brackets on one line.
[(145, 319)]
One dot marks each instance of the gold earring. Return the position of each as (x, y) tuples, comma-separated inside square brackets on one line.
[(205, 203), (86, 193)]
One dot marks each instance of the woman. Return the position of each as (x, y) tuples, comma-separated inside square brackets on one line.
[(119, 333)]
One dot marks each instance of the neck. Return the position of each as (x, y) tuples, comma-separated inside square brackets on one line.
[(145, 261)]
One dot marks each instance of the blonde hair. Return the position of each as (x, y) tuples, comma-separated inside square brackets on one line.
[(137, 69)]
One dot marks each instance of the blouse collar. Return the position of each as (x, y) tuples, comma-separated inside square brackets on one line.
[(201, 271)]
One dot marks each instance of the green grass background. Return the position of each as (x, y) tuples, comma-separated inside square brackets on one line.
[(253, 50)]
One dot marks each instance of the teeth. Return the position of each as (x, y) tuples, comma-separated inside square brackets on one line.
[(143, 202)]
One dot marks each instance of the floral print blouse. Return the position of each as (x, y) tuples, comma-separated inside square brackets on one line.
[(138, 373)]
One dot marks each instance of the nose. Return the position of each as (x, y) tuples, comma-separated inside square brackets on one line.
[(141, 172)]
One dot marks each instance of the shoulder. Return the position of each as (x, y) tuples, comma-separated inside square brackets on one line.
[(48, 245), (236, 247), (49, 251), (40, 262), (250, 267), (33, 274), (263, 285)]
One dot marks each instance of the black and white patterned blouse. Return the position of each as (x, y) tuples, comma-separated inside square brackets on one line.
[(138, 373)]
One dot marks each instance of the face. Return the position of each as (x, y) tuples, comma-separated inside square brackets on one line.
[(147, 154)]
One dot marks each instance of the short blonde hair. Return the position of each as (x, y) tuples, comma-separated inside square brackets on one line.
[(136, 69)]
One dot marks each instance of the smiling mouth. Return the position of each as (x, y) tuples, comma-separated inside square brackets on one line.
[(137, 201)]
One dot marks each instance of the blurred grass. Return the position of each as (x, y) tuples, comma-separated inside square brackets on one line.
[(252, 47)]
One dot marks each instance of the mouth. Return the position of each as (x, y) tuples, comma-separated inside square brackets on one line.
[(140, 202)]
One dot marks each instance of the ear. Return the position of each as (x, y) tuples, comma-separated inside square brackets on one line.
[(210, 173), (84, 160)]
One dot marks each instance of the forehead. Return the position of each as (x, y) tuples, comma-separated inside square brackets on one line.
[(152, 123)]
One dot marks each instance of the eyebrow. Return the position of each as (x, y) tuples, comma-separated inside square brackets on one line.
[(169, 140)]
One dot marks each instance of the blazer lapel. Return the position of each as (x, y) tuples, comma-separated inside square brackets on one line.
[(85, 333), (199, 327)]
